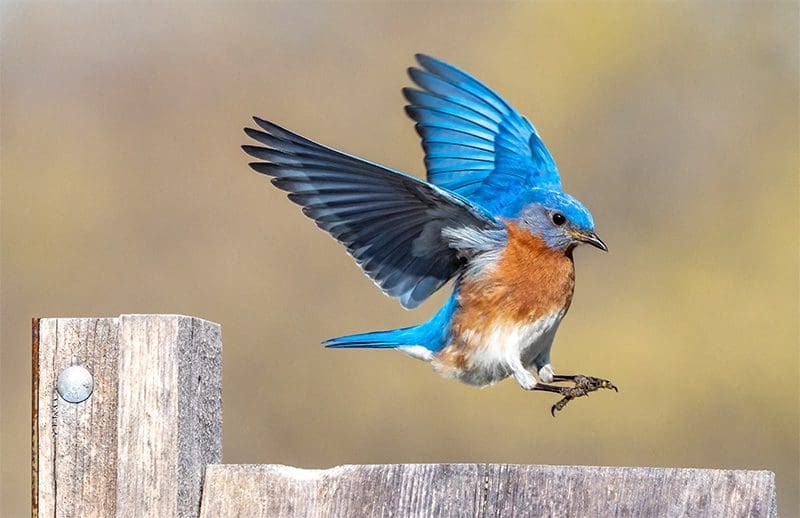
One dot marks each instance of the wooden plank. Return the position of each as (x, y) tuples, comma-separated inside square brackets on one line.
[(606, 491), (497, 490), (170, 413), (138, 446), (76, 442)]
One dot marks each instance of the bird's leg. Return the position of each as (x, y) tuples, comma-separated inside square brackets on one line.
[(583, 386), (524, 378)]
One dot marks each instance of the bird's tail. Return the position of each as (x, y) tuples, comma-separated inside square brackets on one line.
[(431, 335), (378, 339)]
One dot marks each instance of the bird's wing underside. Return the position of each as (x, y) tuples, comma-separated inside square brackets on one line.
[(389, 222), (475, 143)]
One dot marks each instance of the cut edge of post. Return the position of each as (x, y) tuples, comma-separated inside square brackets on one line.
[(35, 417)]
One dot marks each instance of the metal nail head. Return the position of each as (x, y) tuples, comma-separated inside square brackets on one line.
[(75, 384)]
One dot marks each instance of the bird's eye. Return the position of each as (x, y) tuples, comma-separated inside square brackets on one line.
[(559, 219)]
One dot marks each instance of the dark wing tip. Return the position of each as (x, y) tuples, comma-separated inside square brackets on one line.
[(409, 93), (424, 58), (262, 122), (253, 133), (418, 75), (251, 150), (263, 168), (412, 110), (410, 71), (430, 63), (273, 129)]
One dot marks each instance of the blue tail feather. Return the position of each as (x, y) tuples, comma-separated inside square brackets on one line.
[(378, 339), (433, 334)]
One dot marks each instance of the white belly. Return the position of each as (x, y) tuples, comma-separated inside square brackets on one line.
[(494, 353)]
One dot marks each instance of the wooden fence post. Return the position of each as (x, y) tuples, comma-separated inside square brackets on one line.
[(127, 422), (139, 443)]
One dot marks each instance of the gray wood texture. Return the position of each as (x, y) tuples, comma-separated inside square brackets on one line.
[(77, 443), (482, 490), (139, 445)]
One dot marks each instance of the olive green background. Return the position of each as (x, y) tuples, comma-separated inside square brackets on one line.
[(124, 190)]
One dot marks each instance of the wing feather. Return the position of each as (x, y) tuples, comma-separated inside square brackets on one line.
[(391, 223), (475, 143)]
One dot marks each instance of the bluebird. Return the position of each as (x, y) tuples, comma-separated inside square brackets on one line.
[(492, 216)]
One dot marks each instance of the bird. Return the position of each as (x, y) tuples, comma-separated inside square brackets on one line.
[(492, 217)]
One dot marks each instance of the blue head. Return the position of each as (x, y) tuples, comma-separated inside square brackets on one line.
[(559, 219)]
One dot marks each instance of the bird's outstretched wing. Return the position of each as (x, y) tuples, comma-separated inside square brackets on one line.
[(390, 223), (475, 143)]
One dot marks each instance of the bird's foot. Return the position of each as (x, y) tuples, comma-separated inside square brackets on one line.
[(590, 383), (583, 386)]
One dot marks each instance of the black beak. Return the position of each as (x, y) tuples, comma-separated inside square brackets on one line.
[(590, 238)]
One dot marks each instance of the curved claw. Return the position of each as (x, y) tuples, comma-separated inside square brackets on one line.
[(609, 385), (560, 404), (591, 383), (584, 385)]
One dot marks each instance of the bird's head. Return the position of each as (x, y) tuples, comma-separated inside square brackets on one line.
[(560, 220)]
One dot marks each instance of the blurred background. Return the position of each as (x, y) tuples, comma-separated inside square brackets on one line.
[(124, 191)]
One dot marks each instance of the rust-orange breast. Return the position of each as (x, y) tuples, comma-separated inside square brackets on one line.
[(530, 281)]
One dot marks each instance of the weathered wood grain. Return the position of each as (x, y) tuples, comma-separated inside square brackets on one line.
[(170, 413), (139, 445), (77, 443), (496, 490)]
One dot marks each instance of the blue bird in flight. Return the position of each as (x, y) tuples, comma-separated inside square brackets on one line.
[(492, 216)]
